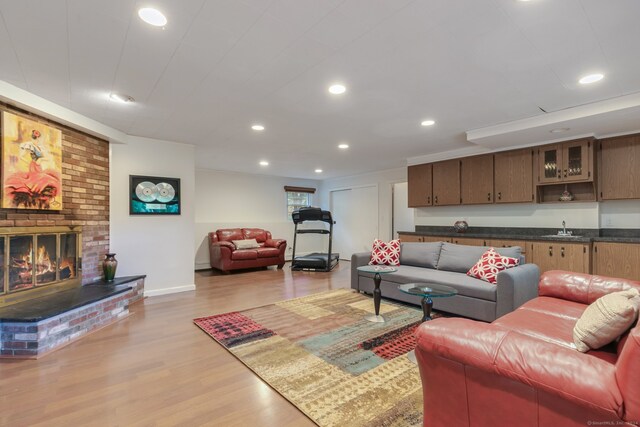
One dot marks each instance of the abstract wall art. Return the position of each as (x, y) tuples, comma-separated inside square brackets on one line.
[(31, 164)]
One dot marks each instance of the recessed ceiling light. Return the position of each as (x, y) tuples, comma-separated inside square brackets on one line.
[(318, 170), (257, 127), (591, 78), (337, 89), (152, 16), (264, 163), (560, 130), (120, 97), (428, 123), (343, 146)]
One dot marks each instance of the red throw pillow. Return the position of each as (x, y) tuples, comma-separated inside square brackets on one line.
[(490, 264), (384, 253)]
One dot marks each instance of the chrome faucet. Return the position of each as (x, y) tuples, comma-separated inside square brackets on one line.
[(564, 231)]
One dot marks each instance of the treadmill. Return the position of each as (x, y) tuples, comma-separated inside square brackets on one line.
[(316, 261)]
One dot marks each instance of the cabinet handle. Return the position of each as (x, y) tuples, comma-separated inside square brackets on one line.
[(550, 250), (499, 195), (562, 252), (489, 196), (565, 173), (435, 199), (428, 200)]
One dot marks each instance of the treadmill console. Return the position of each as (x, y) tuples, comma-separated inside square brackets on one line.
[(311, 214)]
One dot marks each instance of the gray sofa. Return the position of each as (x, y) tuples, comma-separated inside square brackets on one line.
[(447, 263)]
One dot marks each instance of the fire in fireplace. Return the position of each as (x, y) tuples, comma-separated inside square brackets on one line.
[(20, 265), (37, 258)]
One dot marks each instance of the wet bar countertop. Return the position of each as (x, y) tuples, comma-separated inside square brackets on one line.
[(586, 235)]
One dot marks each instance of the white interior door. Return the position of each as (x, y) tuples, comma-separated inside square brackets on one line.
[(402, 215), (356, 214)]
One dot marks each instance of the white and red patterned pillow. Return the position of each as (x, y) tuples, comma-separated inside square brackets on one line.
[(384, 253), (490, 264)]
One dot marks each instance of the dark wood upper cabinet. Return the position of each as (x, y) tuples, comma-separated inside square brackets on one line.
[(619, 168), (555, 173), (566, 162), (419, 185), (476, 180), (446, 183), (513, 177), (577, 160)]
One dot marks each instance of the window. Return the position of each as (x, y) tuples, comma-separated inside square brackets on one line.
[(297, 200), (297, 197)]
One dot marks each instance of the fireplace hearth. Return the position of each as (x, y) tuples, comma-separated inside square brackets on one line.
[(36, 261)]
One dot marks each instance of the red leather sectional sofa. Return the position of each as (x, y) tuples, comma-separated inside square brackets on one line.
[(523, 369), (225, 257)]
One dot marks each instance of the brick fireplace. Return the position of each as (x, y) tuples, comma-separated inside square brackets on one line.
[(45, 256), (85, 195)]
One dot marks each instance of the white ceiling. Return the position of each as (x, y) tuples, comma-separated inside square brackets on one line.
[(221, 65)]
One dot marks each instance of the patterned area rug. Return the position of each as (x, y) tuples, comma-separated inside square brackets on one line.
[(323, 356)]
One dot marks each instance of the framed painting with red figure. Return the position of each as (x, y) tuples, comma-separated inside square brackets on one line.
[(31, 164)]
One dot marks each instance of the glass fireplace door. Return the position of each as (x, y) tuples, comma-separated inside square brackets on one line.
[(20, 263), (45, 258), (68, 256), (38, 261)]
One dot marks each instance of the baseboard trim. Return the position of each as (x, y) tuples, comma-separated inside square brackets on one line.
[(166, 291)]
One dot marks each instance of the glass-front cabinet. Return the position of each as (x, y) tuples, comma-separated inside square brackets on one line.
[(565, 162), (576, 161), (550, 163)]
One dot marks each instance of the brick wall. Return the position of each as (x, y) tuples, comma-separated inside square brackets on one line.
[(85, 195), (33, 339)]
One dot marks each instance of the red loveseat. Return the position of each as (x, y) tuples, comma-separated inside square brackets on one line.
[(523, 369), (224, 255)]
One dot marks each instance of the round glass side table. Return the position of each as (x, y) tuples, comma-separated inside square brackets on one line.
[(377, 270), (426, 291)]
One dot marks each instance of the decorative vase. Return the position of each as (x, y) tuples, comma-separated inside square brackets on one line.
[(109, 266), (566, 195), (460, 226)]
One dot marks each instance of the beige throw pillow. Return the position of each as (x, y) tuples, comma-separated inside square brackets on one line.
[(246, 244), (606, 319)]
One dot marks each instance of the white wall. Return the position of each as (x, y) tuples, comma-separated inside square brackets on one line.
[(610, 214), (383, 179), (230, 200), (620, 214), (159, 246), (403, 215), (576, 215)]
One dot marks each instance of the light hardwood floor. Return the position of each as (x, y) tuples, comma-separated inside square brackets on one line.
[(156, 368)]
